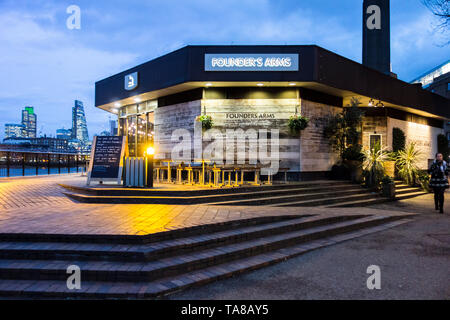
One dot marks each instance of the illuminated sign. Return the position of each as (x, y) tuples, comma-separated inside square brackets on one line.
[(251, 62), (131, 81)]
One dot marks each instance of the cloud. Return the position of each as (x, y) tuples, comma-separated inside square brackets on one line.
[(49, 67), (414, 46)]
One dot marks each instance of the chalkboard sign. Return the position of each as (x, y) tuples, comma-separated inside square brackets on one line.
[(106, 159)]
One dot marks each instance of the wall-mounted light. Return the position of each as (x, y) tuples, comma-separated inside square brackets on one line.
[(260, 84), (209, 84), (371, 102), (117, 105), (380, 104), (292, 84), (137, 99)]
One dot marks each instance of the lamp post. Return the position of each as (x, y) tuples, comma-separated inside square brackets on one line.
[(149, 165)]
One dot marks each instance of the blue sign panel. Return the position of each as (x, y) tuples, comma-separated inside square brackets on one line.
[(252, 62), (131, 81)]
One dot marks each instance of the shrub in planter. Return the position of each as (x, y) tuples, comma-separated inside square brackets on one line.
[(353, 153), (424, 181), (353, 157), (206, 121), (374, 165), (407, 163), (389, 166), (388, 187), (297, 124), (339, 172)]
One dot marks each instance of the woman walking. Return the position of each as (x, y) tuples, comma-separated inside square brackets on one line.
[(439, 180)]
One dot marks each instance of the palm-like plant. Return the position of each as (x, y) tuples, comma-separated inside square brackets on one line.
[(407, 163), (373, 164)]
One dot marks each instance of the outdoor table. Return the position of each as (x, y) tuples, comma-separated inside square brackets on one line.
[(256, 169), (158, 168), (180, 169), (168, 168), (202, 177), (228, 170), (216, 172), (285, 170), (190, 175)]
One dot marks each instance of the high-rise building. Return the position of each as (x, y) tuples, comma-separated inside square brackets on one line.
[(436, 80), (113, 127), (14, 130), (29, 120), (79, 126), (64, 134)]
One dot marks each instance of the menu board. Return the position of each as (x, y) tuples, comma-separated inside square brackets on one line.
[(106, 158)]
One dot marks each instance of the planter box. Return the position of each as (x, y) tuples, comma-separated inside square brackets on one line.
[(356, 171), (388, 190), (389, 166)]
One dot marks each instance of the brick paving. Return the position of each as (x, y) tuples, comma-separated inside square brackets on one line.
[(37, 205)]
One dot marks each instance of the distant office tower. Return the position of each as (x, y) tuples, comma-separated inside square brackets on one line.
[(29, 120), (113, 127), (14, 130), (64, 134), (377, 35), (79, 126)]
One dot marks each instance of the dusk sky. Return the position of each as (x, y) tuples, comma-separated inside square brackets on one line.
[(48, 66)]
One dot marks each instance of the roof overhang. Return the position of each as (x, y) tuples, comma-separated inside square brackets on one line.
[(319, 70)]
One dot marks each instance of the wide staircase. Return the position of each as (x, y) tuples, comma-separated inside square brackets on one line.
[(301, 194), (403, 191), (115, 266)]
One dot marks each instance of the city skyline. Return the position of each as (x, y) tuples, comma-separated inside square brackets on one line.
[(49, 65)]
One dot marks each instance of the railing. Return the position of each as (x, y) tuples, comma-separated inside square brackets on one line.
[(17, 163)]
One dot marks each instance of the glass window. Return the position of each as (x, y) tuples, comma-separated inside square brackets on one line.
[(132, 126), (374, 140)]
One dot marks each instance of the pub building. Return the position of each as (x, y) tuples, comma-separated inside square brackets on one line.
[(269, 83)]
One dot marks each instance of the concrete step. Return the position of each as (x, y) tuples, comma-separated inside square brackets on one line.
[(410, 195), (179, 264), (151, 289), (408, 190), (319, 194), (330, 200), (162, 249), (203, 229), (206, 199), (360, 203), (194, 191)]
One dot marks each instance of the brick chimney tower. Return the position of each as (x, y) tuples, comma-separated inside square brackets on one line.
[(377, 35)]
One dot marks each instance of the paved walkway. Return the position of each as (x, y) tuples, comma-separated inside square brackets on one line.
[(37, 205)]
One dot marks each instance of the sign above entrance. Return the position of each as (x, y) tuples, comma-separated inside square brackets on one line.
[(131, 81), (251, 62)]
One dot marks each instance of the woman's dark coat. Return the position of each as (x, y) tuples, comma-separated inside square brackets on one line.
[(439, 173)]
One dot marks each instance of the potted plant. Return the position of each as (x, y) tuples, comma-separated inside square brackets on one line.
[(297, 123), (206, 121), (343, 129), (407, 163), (388, 187), (373, 164), (353, 157), (424, 181), (389, 164)]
